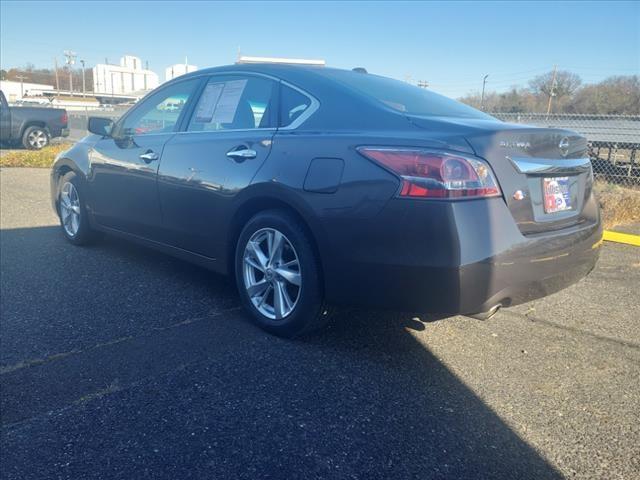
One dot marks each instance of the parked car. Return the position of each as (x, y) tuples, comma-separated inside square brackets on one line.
[(34, 127), (351, 189)]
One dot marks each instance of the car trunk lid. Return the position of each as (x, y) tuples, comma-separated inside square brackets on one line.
[(544, 173)]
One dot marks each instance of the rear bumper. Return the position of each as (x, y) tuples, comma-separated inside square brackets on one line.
[(56, 132), (454, 258)]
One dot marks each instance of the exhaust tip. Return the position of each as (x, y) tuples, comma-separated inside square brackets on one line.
[(488, 314)]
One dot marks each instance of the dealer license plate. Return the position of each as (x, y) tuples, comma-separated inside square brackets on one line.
[(557, 197)]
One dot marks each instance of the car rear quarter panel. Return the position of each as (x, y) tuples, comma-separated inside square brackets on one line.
[(355, 224)]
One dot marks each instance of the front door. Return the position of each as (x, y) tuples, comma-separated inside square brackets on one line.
[(226, 141), (124, 167)]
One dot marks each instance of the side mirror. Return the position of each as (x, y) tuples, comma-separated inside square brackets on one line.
[(100, 126)]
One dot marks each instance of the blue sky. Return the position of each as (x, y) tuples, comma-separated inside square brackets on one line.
[(451, 45)]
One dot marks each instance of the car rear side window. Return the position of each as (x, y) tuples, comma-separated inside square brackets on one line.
[(404, 97), (292, 105), (234, 103)]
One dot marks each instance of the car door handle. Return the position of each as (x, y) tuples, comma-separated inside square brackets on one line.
[(149, 156), (242, 154)]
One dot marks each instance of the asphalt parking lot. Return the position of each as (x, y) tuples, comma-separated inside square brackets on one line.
[(119, 362)]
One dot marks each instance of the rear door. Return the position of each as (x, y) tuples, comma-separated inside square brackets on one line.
[(124, 167), (226, 139)]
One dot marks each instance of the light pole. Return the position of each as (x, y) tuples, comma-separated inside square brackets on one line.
[(484, 83), (83, 84)]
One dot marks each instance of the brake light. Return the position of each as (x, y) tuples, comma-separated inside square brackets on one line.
[(64, 118), (432, 174)]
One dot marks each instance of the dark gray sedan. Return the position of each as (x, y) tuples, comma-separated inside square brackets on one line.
[(316, 186)]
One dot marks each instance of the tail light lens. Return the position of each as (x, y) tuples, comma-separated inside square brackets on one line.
[(64, 118), (432, 174)]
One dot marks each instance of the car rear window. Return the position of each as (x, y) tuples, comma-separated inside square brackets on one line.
[(404, 97)]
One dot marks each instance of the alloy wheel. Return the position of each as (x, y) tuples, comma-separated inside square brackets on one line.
[(70, 209), (37, 139), (271, 272)]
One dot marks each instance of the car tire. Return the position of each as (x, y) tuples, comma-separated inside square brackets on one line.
[(267, 280), (72, 211), (35, 138)]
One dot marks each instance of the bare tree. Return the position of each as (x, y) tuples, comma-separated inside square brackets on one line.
[(614, 95), (565, 84)]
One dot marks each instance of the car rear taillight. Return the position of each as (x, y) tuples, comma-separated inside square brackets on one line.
[(64, 118), (433, 174)]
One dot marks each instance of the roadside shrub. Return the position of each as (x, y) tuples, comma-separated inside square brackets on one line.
[(619, 204)]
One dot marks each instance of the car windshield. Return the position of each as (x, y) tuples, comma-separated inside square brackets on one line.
[(404, 97)]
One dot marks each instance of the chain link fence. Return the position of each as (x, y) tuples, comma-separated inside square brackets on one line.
[(614, 141)]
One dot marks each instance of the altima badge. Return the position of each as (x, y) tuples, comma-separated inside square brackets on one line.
[(519, 195)]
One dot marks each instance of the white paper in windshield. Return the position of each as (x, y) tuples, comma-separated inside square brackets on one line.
[(229, 100), (208, 102)]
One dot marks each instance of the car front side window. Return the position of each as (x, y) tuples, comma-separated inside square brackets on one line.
[(160, 112)]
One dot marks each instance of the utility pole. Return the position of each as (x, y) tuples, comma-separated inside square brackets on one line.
[(423, 84), (70, 57), (83, 84), (21, 78), (552, 92), (484, 83), (55, 63)]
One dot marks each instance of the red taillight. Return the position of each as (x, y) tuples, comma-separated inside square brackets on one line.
[(434, 174), (64, 118)]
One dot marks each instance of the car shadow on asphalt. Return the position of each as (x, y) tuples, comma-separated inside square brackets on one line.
[(174, 354)]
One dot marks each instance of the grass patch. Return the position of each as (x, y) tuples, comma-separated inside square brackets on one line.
[(32, 158), (619, 205)]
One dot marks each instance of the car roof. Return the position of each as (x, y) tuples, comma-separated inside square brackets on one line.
[(291, 73)]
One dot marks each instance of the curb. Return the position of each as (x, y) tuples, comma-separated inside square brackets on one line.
[(617, 237)]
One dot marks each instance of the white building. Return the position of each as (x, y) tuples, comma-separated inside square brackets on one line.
[(178, 69), (125, 78), (18, 90)]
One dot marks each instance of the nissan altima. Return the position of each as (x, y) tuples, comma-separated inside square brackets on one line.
[(314, 186)]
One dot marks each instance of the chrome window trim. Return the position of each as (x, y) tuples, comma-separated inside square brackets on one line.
[(315, 104), (270, 129)]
